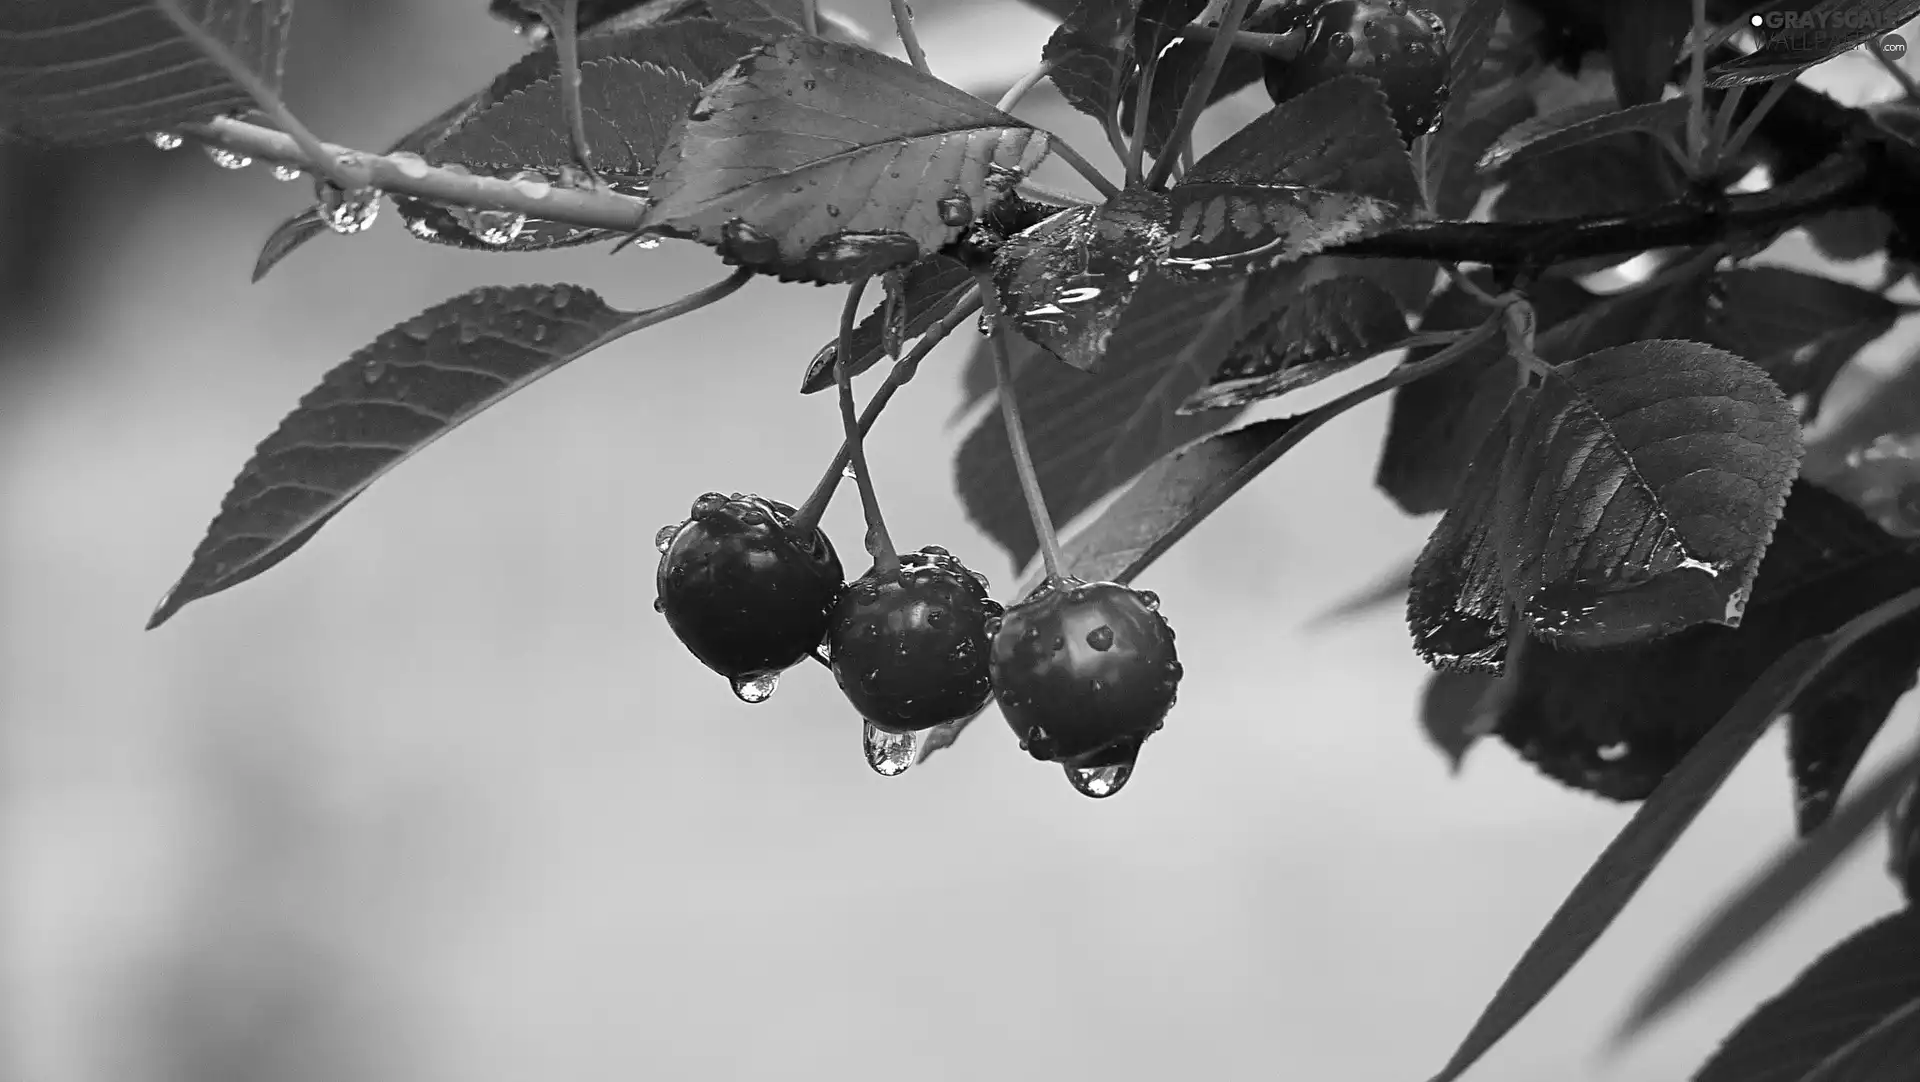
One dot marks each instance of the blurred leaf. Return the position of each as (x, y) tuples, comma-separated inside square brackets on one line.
[(408, 388), (1385, 590), (1614, 175), (99, 71), (1843, 25), (824, 162), (287, 236), (1578, 124), (1888, 1052), (1744, 915), (1637, 850), (629, 110), (1834, 720), (762, 18), (1867, 978), (1614, 722), (933, 287), (1179, 66), (1903, 846), (1179, 491), (1454, 712), (1066, 282), (1802, 328), (1089, 433), (1642, 37), (1635, 498), (1848, 235), (1327, 327), (1454, 181)]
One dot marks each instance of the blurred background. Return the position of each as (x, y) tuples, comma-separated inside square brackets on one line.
[(442, 800)]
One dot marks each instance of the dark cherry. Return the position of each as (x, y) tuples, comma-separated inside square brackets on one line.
[(910, 647), (743, 593), (1084, 673), (1405, 49)]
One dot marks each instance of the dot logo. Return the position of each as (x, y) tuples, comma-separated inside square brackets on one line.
[(1759, 20), (1892, 46)]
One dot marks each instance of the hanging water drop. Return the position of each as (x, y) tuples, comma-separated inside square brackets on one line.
[(647, 243), (285, 173), (847, 471), (347, 213), (659, 604), (663, 537), (890, 754), (986, 323), (497, 228), (747, 244), (165, 140), (756, 689), (227, 159), (1100, 781)]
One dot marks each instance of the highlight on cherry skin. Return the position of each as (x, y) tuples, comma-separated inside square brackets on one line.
[(908, 646), (1085, 672), (742, 592)]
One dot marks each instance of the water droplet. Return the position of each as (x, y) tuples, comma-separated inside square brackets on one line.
[(530, 184), (497, 228), (756, 689), (986, 323), (956, 209), (936, 617), (663, 537), (647, 242), (1613, 753), (934, 550), (165, 140), (1100, 781), (227, 159), (889, 754), (746, 243), (993, 625), (410, 164), (373, 369), (286, 172), (1151, 600), (1000, 178), (659, 604), (1100, 638), (847, 471), (1175, 670), (346, 212)]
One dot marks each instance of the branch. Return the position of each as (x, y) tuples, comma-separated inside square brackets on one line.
[(409, 174)]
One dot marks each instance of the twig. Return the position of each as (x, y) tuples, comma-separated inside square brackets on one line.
[(1723, 128), (886, 561), (1083, 167), (1900, 74), (566, 44), (903, 26), (1284, 46), (674, 309), (1026, 84), (318, 160), (1017, 436), (1200, 92)]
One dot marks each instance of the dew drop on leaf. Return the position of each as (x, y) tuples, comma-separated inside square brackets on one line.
[(347, 213), (227, 159), (1613, 753), (495, 227), (286, 172), (165, 140), (647, 243), (371, 371), (663, 537), (1101, 638), (532, 185), (889, 754), (1100, 781), (756, 689)]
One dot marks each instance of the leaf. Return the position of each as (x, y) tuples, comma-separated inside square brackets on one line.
[(1458, 605), (98, 71), (1866, 979), (375, 410), (824, 162), (1606, 176), (1830, 726), (1642, 36), (1066, 282), (1746, 913), (1635, 499), (1826, 30), (1388, 588), (761, 18), (1454, 182), (1612, 881), (1091, 52), (629, 110), (1801, 328), (596, 14), (287, 236), (1579, 124), (1903, 848), (1453, 713), (1326, 328), (1614, 722), (1886, 1053), (1090, 433), (933, 287), (1179, 491)]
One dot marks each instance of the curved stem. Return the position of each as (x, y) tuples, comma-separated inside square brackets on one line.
[(886, 562), (641, 320), (318, 159), (1142, 105), (1738, 140), (1017, 437), (1284, 46), (902, 371), (1026, 84), (1900, 75), (1200, 92), (903, 26), (1084, 167)]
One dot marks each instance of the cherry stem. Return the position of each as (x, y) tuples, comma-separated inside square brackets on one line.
[(1142, 105), (1022, 88), (1900, 74), (1723, 127), (1200, 92), (328, 165), (903, 26), (1017, 437), (566, 44), (641, 320), (1284, 46), (810, 16), (1738, 141), (903, 370), (886, 561)]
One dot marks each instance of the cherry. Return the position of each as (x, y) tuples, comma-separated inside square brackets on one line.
[(744, 594), (1085, 672), (1406, 50), (909, 646)]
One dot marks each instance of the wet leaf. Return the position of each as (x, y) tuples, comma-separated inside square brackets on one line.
[(1091, 432), (1454, 181), (98, 71), (629, 110), (1455, 714), (1843, 25), (1637, 850), (1327, 327), (1635, 499), (1066, 282), (824, 162), (1091, 52), (1179, 491), (1801, 328), (1613, 175), (1869, 978), (1615, 722), (934, 287), (1579, 124), (761, 18), (1746, 913), (382, 405)]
